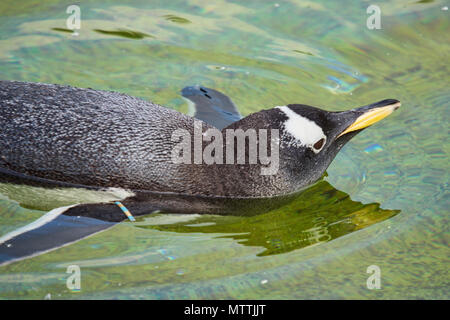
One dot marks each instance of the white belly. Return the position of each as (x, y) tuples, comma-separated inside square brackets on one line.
[(46, 199)]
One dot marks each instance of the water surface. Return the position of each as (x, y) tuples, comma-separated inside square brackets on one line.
[(385, 199)]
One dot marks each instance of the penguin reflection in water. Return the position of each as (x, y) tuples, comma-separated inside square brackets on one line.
[(119, 150)]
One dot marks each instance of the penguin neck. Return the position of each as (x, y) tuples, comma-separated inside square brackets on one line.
[(297, 168), (263, 172)]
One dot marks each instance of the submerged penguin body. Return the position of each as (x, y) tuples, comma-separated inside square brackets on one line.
[(96, 139), (63, 137), (85, 155)]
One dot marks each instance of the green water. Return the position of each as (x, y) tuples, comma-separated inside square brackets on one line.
[(384, 202)]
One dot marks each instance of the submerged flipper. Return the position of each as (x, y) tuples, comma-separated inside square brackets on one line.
[(58, 233), (60, 227), (212, 106)]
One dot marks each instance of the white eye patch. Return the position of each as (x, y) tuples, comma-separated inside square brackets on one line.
[(305, 131)]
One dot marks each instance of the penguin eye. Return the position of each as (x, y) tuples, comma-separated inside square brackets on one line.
[(318, 145)]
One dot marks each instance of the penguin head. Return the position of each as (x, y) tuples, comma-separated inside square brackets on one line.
[(311, 137)]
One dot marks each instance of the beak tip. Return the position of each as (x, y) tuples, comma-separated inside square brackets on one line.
[(392, 104), (389, 102)]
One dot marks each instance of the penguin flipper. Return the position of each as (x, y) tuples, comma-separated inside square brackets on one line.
[(61, 227), (50, 232), (211, 106)]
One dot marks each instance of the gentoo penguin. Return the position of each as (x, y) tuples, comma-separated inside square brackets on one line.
[(120, 149)]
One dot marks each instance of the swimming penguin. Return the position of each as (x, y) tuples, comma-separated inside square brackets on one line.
[(119, 149)]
